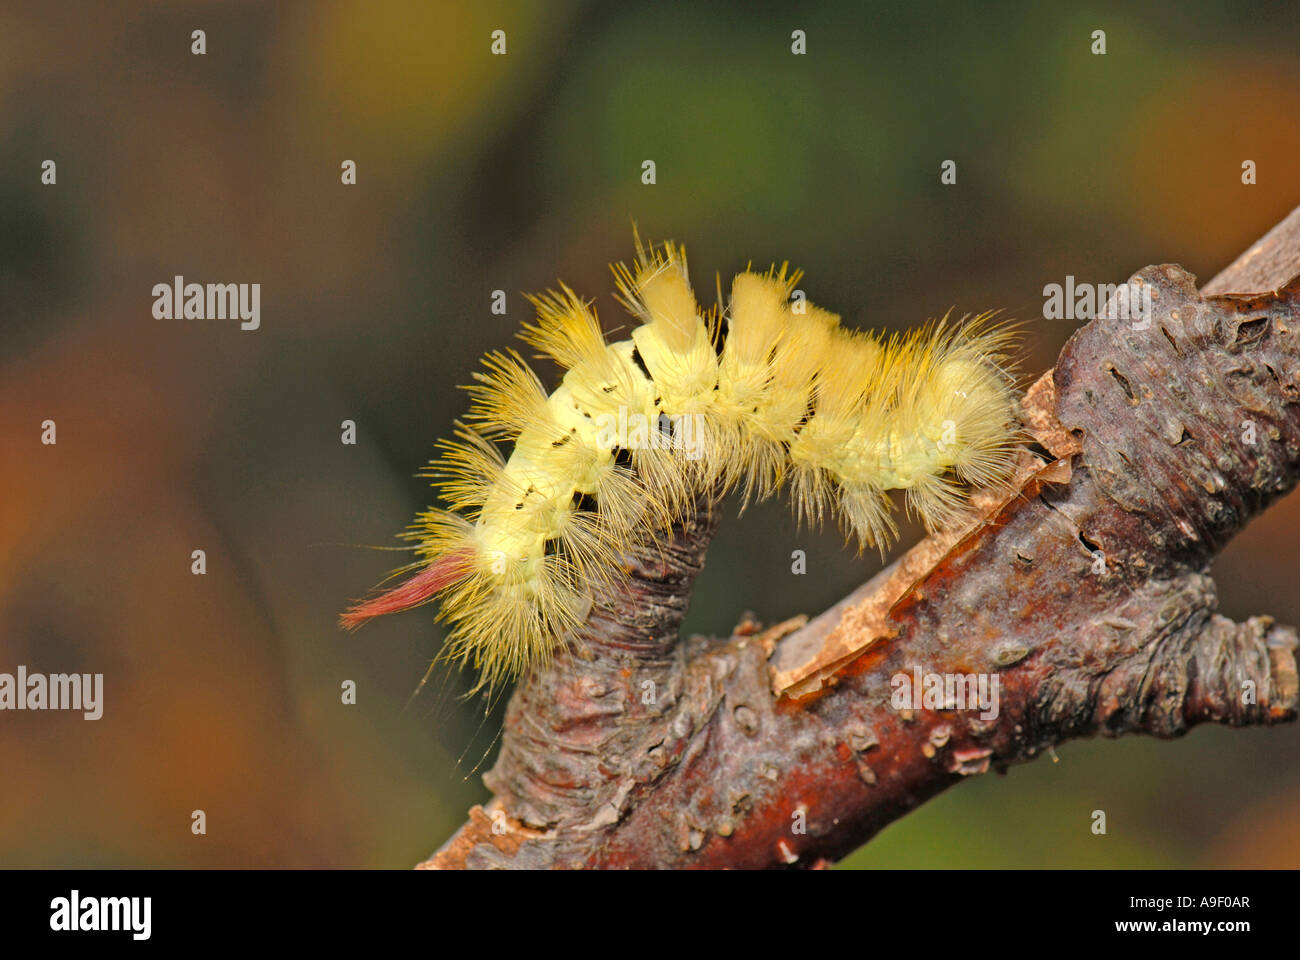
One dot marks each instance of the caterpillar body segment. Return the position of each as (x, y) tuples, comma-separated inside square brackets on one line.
[(769, 394)]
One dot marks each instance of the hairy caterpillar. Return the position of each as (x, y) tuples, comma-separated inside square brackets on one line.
[(768, 393)]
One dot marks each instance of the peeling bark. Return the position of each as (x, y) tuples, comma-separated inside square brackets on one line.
[(1084, 589)]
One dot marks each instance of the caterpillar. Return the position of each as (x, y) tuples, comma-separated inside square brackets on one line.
[(768, 393)]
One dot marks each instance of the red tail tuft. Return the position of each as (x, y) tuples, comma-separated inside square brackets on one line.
[(411, 593)]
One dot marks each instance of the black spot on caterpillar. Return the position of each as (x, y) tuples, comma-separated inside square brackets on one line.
[(769, 394)]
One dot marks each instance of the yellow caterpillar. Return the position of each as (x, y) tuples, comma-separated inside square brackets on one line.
[(769, 393)]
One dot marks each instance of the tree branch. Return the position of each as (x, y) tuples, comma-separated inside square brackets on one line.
[(1082, 591)]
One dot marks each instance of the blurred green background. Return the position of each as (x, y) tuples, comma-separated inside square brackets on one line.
[(478, 172)]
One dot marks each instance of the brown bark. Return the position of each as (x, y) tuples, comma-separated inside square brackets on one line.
[(1084, 589)]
